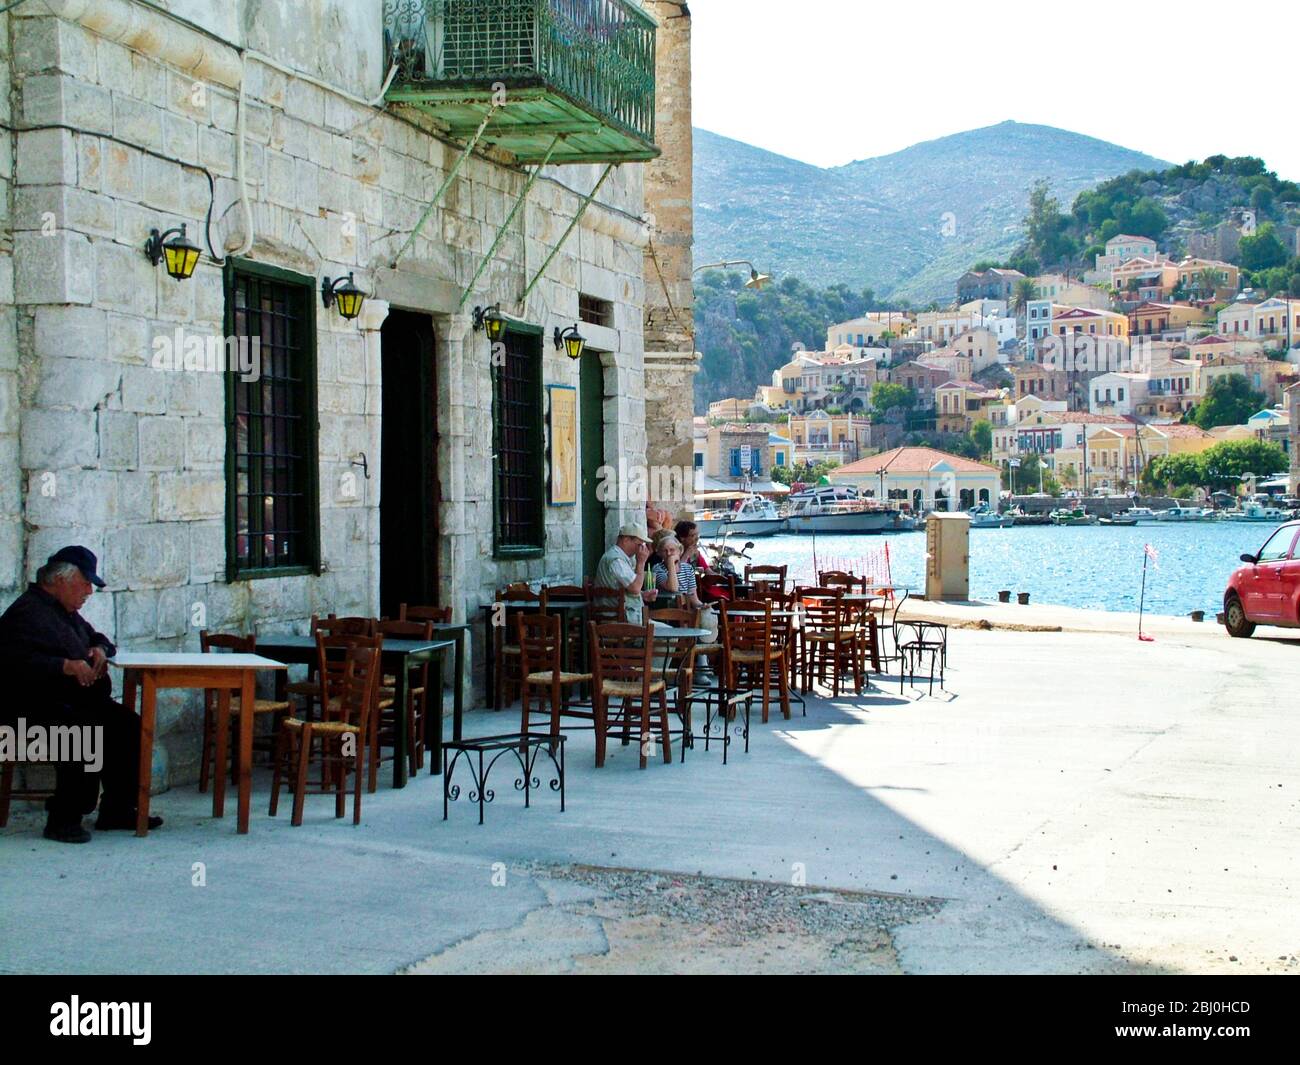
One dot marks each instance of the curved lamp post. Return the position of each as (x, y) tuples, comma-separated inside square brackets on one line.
[(756, 280)]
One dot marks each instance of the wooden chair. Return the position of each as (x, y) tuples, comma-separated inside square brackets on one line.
[(439, 615), (606, 606), (540, 639), (830, 640), (747, 649), (216, 733), (506, 656), (765, 581), (715, 587), (8, 791), (679, 663), (622, 669), (417, 699), (331, 657), (572, 633), (309, 690), (352, 692), (838, 578)]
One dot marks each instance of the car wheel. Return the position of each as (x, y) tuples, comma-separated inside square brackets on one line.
[(1234, 618)]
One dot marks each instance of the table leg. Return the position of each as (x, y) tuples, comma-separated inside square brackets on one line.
[(247, 700), (400, 711), (148, 710), (222, 726), (433, 728), (458, 707)]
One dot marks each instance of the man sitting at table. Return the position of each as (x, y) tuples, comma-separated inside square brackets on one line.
[(623, 566), (58, 667)]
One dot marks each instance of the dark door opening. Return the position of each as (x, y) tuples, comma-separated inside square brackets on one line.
[(591, 419), (409, 493)]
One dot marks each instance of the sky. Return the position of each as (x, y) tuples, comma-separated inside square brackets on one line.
[(830, 81)]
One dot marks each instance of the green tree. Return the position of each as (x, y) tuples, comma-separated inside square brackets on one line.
[(1173, 471), (887, 396), (1227, 463), (1262, 249), (1023, 294), (981, 435), (1228, 401)]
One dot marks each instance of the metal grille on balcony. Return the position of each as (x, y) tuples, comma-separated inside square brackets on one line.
[(582, 70)]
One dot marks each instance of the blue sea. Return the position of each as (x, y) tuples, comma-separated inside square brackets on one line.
[(1094, 567)]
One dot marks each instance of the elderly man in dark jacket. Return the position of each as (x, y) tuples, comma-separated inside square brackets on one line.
[(58, 666)]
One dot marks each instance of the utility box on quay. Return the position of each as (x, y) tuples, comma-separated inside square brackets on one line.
[(947, 563)]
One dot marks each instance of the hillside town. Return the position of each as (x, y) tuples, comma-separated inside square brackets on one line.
[(1089, 379)]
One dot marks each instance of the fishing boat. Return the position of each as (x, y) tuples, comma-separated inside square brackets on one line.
[(755, 516), (982, 516), (1117, 519), (1073, 516), (1138, 514), (1019, 517), (837, 509), (1257, 510), (1181, 514)]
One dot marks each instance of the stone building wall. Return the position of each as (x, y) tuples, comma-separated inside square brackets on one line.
[(671, 359), (11, 521), (132, 111)]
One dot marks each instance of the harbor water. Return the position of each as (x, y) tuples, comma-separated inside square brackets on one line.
[(1094, 567)]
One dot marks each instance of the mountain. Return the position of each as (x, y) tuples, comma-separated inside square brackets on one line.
[(907, 224)]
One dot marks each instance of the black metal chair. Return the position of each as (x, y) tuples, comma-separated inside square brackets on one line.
[(930, 640)]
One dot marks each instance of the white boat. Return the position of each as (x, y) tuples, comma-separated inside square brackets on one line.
[(1073, 516), (756, 516), (983, 516), (1181, 514), (837, 509), (1138, 514), (1256, 510)]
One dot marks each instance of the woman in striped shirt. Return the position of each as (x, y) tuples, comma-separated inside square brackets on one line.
[(674, 576)]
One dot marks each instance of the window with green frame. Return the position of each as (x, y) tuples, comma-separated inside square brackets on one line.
[(272, 498), (519, 474)]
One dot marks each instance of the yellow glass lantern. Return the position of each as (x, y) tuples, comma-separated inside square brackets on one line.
[(179, 254), (344, 294)]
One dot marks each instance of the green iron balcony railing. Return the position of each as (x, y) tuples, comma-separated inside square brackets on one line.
[(583, 70)]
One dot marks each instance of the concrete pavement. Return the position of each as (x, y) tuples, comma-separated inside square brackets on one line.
[(1080, 802)]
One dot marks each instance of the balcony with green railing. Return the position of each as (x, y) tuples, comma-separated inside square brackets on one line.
[(582, 70)]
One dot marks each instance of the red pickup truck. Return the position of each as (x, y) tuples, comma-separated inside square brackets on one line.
[(1266, 591)]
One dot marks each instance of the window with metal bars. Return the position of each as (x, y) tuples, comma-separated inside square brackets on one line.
[(272, 507), (519, 473)]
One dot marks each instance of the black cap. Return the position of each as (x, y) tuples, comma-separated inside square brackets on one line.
[(81, 557)]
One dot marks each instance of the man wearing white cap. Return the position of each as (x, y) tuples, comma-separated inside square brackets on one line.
[(623, 566)]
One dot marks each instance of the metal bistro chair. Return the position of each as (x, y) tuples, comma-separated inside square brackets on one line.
[(216, 734), (931, 640), (622, 669), (343, 740)]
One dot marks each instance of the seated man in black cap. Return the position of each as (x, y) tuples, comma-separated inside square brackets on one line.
[(58, 665)]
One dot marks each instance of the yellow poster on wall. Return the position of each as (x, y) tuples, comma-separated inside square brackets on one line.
[(564, 445)]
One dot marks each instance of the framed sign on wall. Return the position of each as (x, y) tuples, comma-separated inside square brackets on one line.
[(563, 444)]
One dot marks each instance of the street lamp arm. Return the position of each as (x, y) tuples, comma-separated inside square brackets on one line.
[(723, 265)]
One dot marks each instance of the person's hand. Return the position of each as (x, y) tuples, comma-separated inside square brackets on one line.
[(642, 553), (98, 661), (651, 595), (81, 672)]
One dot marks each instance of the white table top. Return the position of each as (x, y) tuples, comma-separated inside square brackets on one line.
[(175, 660)]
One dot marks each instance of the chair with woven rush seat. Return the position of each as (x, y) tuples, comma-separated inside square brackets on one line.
[(622, 669), (216, 734), (747, 651), (309, 690), (331, 657), (506, 653), (540, 643), (8, 792), (352, 691), (765, 581), (678, 656), (830, 639), (417, 697)]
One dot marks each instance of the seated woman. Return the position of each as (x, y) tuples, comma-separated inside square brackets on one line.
[(675, 577)]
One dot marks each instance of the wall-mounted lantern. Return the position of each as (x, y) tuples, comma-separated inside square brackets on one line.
[(571, 341), (180, 255), (343, 293), (490, 320)]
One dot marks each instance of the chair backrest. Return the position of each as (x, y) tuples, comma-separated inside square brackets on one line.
[(332, 625), (621, 652), (358, 682), (606, 606), (767, 575), (568, 593), (715, 587), (838, 578), (741, 633), (539, 642), (439, 615), (331, 659), (406, 630), (824, 614), (220, 641)]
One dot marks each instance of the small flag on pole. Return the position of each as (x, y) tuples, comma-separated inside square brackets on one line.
[(1152, 554)]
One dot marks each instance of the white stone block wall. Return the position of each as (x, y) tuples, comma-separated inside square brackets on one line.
[(99, 447)]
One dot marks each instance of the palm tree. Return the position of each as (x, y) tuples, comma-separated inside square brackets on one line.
[(1207, 282), (1023, 294)]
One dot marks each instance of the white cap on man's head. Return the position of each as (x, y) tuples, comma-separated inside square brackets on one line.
[(635, 531)]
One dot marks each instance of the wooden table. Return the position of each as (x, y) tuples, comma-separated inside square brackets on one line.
[(398, 657), (149, 672)]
